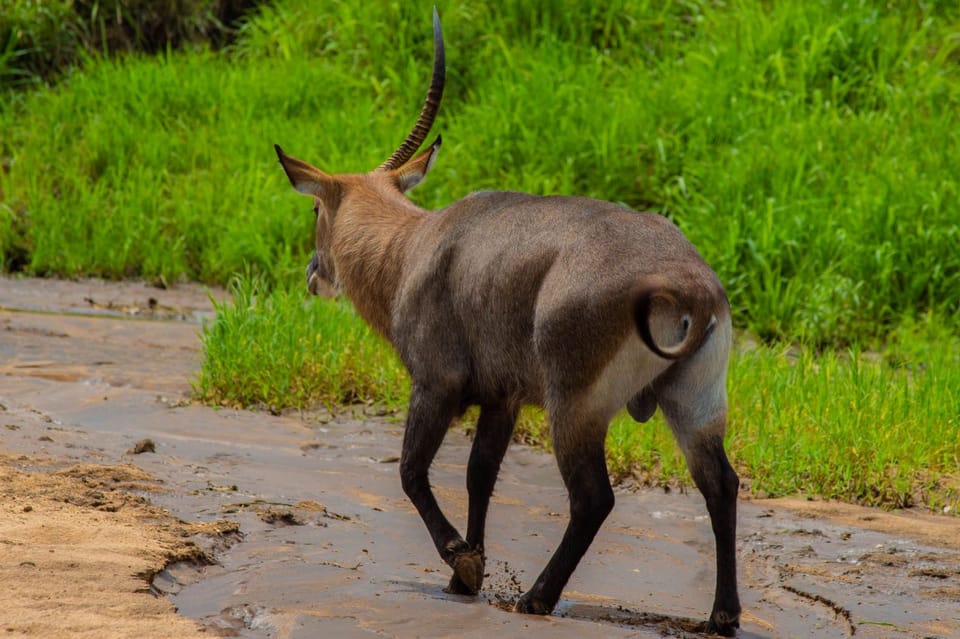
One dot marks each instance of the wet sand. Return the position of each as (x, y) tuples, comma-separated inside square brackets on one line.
[(317, 538)]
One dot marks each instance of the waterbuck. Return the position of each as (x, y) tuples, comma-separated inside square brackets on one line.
[(503, 299)]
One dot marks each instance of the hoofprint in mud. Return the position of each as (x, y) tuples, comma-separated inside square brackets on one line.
[(330, 544)]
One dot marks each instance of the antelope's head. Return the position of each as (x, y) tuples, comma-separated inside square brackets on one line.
[(397, 175)]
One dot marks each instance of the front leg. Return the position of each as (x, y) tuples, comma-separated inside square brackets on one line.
[(490, 443), (428, 418)]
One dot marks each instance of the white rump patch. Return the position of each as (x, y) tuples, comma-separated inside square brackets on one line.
[(631, 368)]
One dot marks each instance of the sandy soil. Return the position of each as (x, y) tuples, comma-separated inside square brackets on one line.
[(78, 551), (80, 543), (312, 536)]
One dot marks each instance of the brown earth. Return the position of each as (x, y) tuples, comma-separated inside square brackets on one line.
[(78, 549), (80, 543), (92, 533)]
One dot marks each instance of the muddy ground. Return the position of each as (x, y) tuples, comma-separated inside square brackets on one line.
[(296, 526)]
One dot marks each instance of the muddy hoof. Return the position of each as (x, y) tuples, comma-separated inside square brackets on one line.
[(467, 573), (530, 605), (722, 624), (457, 587)]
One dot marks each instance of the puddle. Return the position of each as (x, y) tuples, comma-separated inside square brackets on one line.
[(324, 543)]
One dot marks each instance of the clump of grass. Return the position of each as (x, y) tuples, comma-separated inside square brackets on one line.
[(869, 428), (844, 425), (278, 350)]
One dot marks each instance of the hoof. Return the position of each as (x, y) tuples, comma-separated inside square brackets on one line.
[(722, 624), (530, 605), (467, 573), (457, 587)]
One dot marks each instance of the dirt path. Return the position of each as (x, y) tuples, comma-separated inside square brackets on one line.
[(330, 546)]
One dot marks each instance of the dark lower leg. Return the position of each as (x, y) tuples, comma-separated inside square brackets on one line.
[(427, 421), (494, 429), (591, 500), (719, 484), (489, 446)]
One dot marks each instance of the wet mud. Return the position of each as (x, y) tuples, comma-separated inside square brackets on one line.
[(315, 537)]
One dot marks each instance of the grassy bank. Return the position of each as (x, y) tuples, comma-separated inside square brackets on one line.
[(809, 149), (872, 428)]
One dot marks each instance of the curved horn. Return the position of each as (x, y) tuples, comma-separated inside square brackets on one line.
[(430, 105)]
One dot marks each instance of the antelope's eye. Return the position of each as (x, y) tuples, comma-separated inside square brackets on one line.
[(316, 209)]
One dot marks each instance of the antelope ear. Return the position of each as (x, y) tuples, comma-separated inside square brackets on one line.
[(412, 173), (305, 177)]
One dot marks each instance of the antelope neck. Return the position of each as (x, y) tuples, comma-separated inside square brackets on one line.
[(370, 244)]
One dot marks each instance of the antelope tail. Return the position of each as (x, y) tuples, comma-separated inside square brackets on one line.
[(687, 316)]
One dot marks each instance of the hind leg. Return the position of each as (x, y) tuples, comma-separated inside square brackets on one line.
[(693, 397), (584, 470), (719, 485), (697, 416), (490, 443)]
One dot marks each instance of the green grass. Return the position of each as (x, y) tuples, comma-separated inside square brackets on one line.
[(278, 350), (39, 40), (872, 428), (810, 150), (843, 425)]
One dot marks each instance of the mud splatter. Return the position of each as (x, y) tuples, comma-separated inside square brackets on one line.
[(277, 516)]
